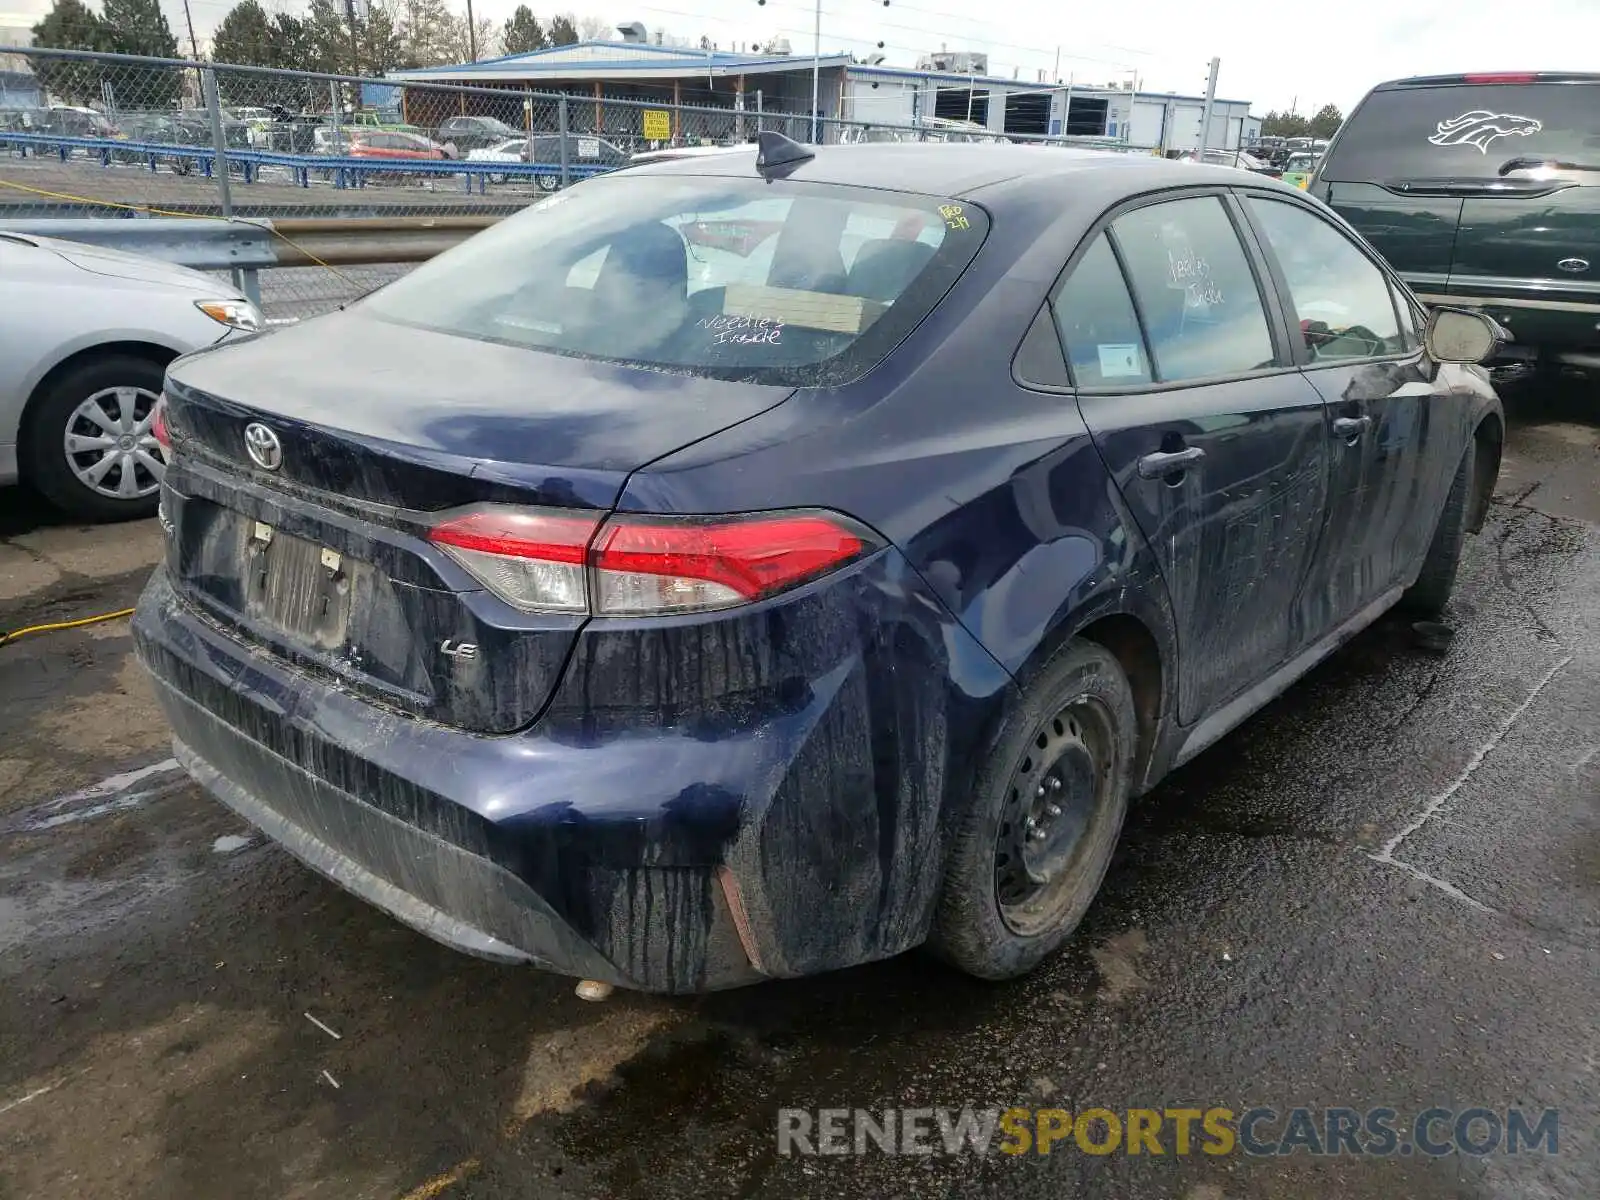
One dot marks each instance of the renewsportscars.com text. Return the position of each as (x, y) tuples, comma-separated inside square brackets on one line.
[(1257, 1132)]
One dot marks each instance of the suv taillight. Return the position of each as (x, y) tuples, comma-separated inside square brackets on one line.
[(543, 560)]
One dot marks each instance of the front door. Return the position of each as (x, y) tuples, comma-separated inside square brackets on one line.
[(1217, 444), (1359, 345)]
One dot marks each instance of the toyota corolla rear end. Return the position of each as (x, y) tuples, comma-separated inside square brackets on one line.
[(408, 625)]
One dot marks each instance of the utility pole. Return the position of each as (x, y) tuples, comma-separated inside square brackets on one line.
[(194, 46), (194, 53), (816, 71), (816, 67), (1205, 116), (472, 33)]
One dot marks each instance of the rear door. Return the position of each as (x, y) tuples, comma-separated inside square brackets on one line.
[(1387, 424), (1217, 443)]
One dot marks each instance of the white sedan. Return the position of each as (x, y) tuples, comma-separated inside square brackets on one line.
[(509, 151), (85, 338)]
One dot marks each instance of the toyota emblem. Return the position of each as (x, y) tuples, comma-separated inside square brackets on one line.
[(263, 446)]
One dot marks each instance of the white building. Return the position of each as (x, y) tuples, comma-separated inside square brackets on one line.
[(1156, 120)]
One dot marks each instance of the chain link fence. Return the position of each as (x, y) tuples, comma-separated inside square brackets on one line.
[(118, 135)]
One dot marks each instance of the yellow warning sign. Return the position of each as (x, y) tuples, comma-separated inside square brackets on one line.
[(657, 125)]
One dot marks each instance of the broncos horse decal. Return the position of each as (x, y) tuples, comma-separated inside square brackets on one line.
[(1480, 127)]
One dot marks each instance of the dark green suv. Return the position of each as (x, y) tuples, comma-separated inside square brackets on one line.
[(1484, 190)]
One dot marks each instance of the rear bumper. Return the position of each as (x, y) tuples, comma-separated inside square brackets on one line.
[(667, 855), (454, 897)]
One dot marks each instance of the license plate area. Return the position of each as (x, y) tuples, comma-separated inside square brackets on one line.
[(298, 589)]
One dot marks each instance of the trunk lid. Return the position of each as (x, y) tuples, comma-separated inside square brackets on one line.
[(324, 559)]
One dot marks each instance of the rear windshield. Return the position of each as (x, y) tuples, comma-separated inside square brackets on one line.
[(783, 282), (1465, 132)]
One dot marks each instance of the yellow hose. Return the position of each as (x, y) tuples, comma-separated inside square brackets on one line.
[(8, 638)]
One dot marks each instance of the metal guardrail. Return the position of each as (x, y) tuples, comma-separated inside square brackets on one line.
[(342, 172), (247, 247)]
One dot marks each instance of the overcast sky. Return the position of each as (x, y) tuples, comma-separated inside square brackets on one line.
[(1304, 55)]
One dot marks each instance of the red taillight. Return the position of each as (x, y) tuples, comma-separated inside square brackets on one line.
[(666, 566), (1503, 77), (545, 561), (158, 425)]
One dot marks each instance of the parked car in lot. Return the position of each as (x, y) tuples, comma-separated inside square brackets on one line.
[(1299, 167), (329, 139), (596, 598), (509, 150), (582, 151), (1241, 159), (1484, 190), (545, 151), (475, 133), (86, 335), (68, 121), (391, 146)]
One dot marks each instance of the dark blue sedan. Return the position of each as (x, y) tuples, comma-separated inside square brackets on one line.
[(744, 567)]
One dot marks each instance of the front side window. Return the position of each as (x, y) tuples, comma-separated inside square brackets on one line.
[(783, 282), (1196, 292), (1340, 297), (1099, 330)]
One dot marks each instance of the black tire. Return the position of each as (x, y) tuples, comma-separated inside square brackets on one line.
[(547, 183), (1072, 740), (1429, 595), (45, 427)]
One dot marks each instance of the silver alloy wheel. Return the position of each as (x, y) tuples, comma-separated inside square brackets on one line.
[(110, 446)]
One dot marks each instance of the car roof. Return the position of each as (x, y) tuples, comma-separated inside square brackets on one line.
[(1482, 78), (961, 169)]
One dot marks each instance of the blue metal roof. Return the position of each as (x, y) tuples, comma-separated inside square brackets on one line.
[(629, 56)]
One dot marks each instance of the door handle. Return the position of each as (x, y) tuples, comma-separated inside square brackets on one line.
[(1351, 428), (1154, 466)]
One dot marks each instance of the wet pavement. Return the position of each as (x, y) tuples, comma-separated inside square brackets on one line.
[(1382, 891)]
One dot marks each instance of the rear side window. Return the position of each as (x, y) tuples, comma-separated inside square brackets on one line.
[(1465, 132), (1195, 289), (1098, 326), (1342, 300), (783, 282)]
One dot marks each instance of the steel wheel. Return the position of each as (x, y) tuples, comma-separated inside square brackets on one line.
[(1048, 796), (109, 445), (1051, 803)]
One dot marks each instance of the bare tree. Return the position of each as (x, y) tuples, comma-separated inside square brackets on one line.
[(596, 29)]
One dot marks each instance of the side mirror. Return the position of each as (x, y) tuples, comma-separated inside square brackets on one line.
[(1462, 335)]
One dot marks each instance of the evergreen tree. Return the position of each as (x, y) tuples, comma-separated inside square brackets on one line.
[(522, 32), (246, 36), (1327, 121), (562, 31), (69, 25), (140, 27)]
